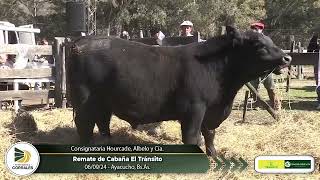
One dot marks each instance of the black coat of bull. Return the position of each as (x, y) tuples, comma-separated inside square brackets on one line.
[(195, 83)]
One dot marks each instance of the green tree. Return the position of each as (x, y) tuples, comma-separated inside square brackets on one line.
[(292, 17), (135, 15), (217, 13), (208, 16)]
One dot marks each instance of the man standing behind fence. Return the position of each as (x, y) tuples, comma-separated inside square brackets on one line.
[(314, 47), (266, 80), (186, 28)]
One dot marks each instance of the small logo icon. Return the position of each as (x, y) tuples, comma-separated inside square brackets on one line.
[(22, 159), (21, 156), (287, 164)]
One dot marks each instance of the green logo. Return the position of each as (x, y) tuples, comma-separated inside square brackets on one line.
[(284, 164), (298, 164), (287, 164), (21, 156)]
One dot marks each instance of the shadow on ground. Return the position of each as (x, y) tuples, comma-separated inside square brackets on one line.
[(305, 105)]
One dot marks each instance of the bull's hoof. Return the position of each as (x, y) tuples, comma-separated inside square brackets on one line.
[(86, 141), (211, 151), (105, 134), (134, 125)]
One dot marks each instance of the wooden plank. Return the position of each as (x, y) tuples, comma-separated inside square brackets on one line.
[(20, 29), (21, 48), (26, 94), (175, 41), (300, 67), (304, 58), (292, 46), (47, 80), (27, 73)]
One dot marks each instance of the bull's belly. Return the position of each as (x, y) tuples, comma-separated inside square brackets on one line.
[(145, 112), (139, 105), (136, 117)]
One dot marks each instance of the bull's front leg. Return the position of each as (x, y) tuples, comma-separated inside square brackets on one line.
[(103, 119), (84, 125), (191, 125), (209, 138)]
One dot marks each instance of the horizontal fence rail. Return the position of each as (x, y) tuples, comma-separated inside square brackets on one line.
[(22, 48), (27, 73), (26, 94), (304, 58)]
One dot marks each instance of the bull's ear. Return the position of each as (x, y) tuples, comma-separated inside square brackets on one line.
[(234, 34)]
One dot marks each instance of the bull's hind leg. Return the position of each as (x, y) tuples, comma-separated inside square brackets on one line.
[(89, 113), (208, 138)]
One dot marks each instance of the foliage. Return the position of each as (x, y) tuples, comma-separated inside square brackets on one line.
[(282, 17), (292, 17), (217, 13)]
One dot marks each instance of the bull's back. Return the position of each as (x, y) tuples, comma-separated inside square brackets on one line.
[(135, 80)]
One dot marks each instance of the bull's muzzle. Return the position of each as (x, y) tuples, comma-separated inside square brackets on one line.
[(285, 62)]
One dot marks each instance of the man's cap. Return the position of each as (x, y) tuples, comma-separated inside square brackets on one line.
[(257, 24), (125, 33), (186, 23)]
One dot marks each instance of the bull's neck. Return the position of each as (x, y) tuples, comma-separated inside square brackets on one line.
[(219, 55), (231, 81)]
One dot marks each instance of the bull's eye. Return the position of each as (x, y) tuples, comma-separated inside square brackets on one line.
[(263, 50), (259, 46)]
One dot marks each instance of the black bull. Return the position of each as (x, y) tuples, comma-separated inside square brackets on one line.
[(195, 84)]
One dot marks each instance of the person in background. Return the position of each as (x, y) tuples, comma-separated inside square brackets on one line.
[(267, 80), (186, 28), (44, 41), (125, 35), (5, 63), (314, 47), (158, 35)]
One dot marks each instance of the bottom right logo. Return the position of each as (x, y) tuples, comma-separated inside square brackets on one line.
[(284, 164)]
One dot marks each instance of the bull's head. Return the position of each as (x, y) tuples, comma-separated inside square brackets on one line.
[(256, 54)]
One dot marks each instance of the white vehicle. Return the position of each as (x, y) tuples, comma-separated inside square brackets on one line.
[(10, 34)]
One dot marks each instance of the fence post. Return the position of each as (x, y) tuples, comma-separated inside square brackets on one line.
[(68, 46), (141, 34), (292, 45), (223, 30), (318, 69), (300, 67), (60, 72)]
